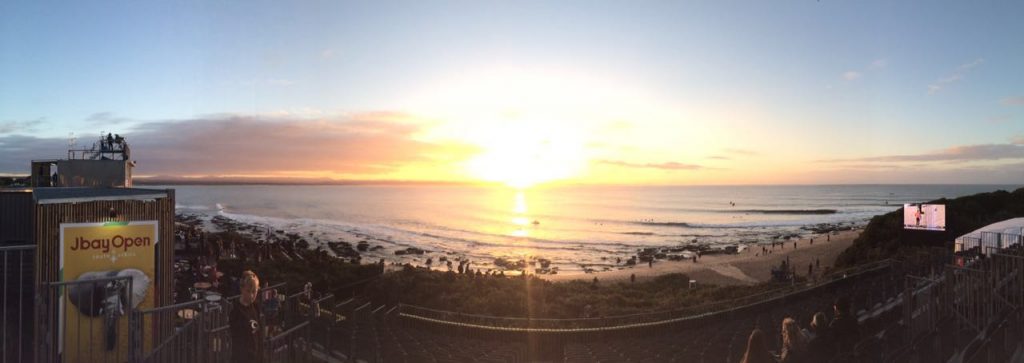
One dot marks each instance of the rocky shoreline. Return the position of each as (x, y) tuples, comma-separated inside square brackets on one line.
[(371, 249)]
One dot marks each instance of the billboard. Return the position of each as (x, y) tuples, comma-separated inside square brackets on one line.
[(926, 217), (93, 316)]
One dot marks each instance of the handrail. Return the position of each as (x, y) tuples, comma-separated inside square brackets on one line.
[(596, 318), (521, 324), (285, 333), (169, 339), (90, 281), (17, 248), (271, 287), (171, 307), (323, 298)]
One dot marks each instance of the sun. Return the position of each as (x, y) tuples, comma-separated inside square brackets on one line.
[(528, 123), (521, 154)]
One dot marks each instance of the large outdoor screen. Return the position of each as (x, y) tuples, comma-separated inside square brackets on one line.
[(927, 217)]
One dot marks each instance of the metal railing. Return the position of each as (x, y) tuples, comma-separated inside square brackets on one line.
[(632, 321), (16, 302), (200, 333), (204, 332), (85, 320), (970, 313), (292, 345)]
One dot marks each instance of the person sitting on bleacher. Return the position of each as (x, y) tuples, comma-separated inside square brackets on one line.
[(819, 344), (818, 327), (794, 343), (757, 350), (845, 332)]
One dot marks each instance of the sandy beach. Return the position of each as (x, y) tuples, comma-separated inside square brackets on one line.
[(745, 268)]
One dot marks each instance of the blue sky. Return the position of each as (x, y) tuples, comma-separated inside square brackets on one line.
[(792, 83)]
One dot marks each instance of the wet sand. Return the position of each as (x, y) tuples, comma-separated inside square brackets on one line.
[(745, 268)]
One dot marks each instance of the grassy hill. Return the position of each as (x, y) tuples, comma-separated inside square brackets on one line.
[(885, 237)]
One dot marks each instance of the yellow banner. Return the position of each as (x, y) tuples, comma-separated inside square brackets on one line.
[(94, 315)]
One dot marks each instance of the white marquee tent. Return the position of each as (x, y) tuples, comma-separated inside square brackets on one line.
[(991, 237)]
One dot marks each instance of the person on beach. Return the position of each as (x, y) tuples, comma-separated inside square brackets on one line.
[(632, 278), (794, 343), (757, 350), (246, 321)]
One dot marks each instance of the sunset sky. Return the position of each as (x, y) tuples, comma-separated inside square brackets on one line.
[(715, 92)]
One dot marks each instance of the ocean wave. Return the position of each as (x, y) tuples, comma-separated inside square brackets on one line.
[(665, 224), (407, 238), (788, 211), (545, 243), (192, 207), (740, 225)]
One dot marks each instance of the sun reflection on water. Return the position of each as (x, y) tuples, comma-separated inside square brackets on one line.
[(521, 220)]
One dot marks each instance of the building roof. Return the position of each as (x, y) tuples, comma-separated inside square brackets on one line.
[(69, 195)]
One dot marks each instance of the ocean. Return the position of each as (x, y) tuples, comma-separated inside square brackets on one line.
[(574, 227)]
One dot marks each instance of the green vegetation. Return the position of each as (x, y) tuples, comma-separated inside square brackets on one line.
[(519, 297), (10, 181), (326, 272), (884, 237)]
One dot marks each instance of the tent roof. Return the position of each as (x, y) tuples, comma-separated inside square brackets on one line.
[(1011, 226)]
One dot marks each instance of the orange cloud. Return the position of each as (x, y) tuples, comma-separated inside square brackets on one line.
[(358, 146), (671, 165)]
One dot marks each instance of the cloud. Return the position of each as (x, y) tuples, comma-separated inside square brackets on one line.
[(357, 146), (719, 157), (1017, 140), (853, 75), (19, 150), (964, 153), (735, 151), (280, 82), (327, 54), (1000, 119), (958, 74), (1013, 101), (997, 173), (11, 126), (270, 82), (671, 165), (106, 118)]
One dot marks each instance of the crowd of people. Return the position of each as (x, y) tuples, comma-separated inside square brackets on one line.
[(819, 342)]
